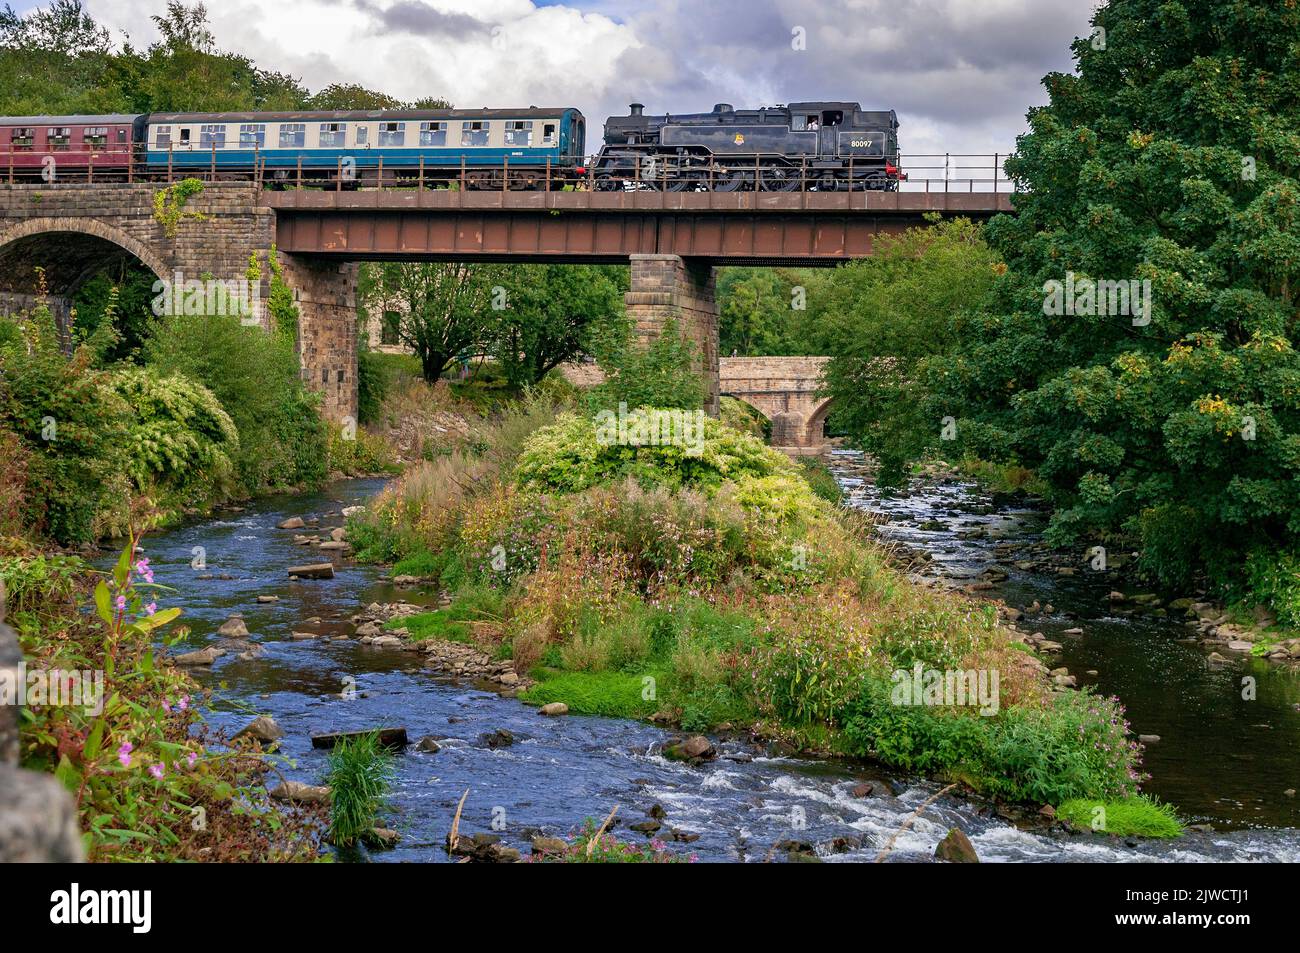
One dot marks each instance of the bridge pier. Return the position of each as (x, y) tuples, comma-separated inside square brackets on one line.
[(669, 289), (326, 295)]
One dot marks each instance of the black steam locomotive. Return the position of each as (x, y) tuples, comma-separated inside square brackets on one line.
[(824, 147)]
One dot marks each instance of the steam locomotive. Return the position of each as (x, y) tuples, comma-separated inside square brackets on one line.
[(826, 146)]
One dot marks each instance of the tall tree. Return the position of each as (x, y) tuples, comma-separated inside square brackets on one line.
[(446, 309), (1171, 157), (551, 315)]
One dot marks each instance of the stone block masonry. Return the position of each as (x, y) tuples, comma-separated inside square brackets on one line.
[(72, 230), (668, 288)]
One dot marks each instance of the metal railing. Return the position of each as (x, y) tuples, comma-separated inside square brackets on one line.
[(947, 172)]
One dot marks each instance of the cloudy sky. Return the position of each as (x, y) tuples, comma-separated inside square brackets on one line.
[(960, 73)]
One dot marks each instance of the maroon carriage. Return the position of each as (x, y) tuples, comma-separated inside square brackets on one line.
[(45, 148)]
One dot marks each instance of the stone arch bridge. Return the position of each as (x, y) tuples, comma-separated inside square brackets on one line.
[(67, 231), (785, 390)]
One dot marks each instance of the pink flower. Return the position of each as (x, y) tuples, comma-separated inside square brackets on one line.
[(124, 754), (157, 771), (121, 602), (151, 608), (167, 706), (184, 703), (191, 759)]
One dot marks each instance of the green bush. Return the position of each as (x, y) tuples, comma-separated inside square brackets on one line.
[(181, 441), (73, 427), (254, 374), (1072, 747), (664, 374), (1273, 579)]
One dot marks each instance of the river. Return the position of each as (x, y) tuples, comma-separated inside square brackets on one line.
[(1212, 762)]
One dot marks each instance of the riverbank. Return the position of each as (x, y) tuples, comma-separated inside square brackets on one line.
[(719, 592)]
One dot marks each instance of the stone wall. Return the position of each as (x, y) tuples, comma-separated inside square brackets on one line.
[(668, 288), (73, 229)]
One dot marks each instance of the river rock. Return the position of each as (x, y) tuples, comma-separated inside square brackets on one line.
[(649, 828), (694, 748), (353, 510), (201, 657), (428, 744), (863, 789), (501, 738), (233, 628), (300, 793), (262, 728), (386, 641), (313, 571), (335, 546), (405, 582), (293, 522), (338, 534), (554, 708), (1148, 739), (1240, 645), (483, 849), (265, 599), (549, 846), (382, 838), (388, 737), (956, 848)]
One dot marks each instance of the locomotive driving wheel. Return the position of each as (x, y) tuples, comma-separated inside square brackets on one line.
[(778, 179), (728, 180)]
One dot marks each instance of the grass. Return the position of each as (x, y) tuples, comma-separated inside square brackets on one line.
[(613, 694), (423, 564), (359, 774), (1139, 816)]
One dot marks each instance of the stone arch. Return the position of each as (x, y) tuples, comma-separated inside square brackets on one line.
[(816, 433), (94, 245)]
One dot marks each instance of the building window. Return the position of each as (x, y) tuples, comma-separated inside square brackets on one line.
[(22, 139), (474, 134), (164, 134), (96, 136), (519, 132), (212, 137), (548, 135), (293, 135), (333, 135), (388, 329), (60, 137), (392, 134), (252, 135), (433, 133)]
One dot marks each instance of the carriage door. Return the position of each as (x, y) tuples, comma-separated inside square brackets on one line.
[(829, 145)]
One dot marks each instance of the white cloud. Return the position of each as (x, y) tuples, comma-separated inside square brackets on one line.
[(961, 73)]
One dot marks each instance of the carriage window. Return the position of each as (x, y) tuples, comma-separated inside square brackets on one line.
[(96, 136), (212, 137), (548, 134), (798, 122), (121, 135), (60, 137), (252, 135), (433, 133), (22, 138), (185, 137), (363, 135), (333, 135), (474, 133), (293, 135), (164, 135), (392, 134), (519, 133)]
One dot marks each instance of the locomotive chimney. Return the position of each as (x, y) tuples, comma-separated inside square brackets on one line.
[(723, 108), (635, 109)]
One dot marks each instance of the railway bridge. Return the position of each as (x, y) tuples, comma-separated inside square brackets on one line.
[(53, 237)]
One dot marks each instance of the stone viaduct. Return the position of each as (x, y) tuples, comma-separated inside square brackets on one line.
[(787, 391), (65, 232)]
